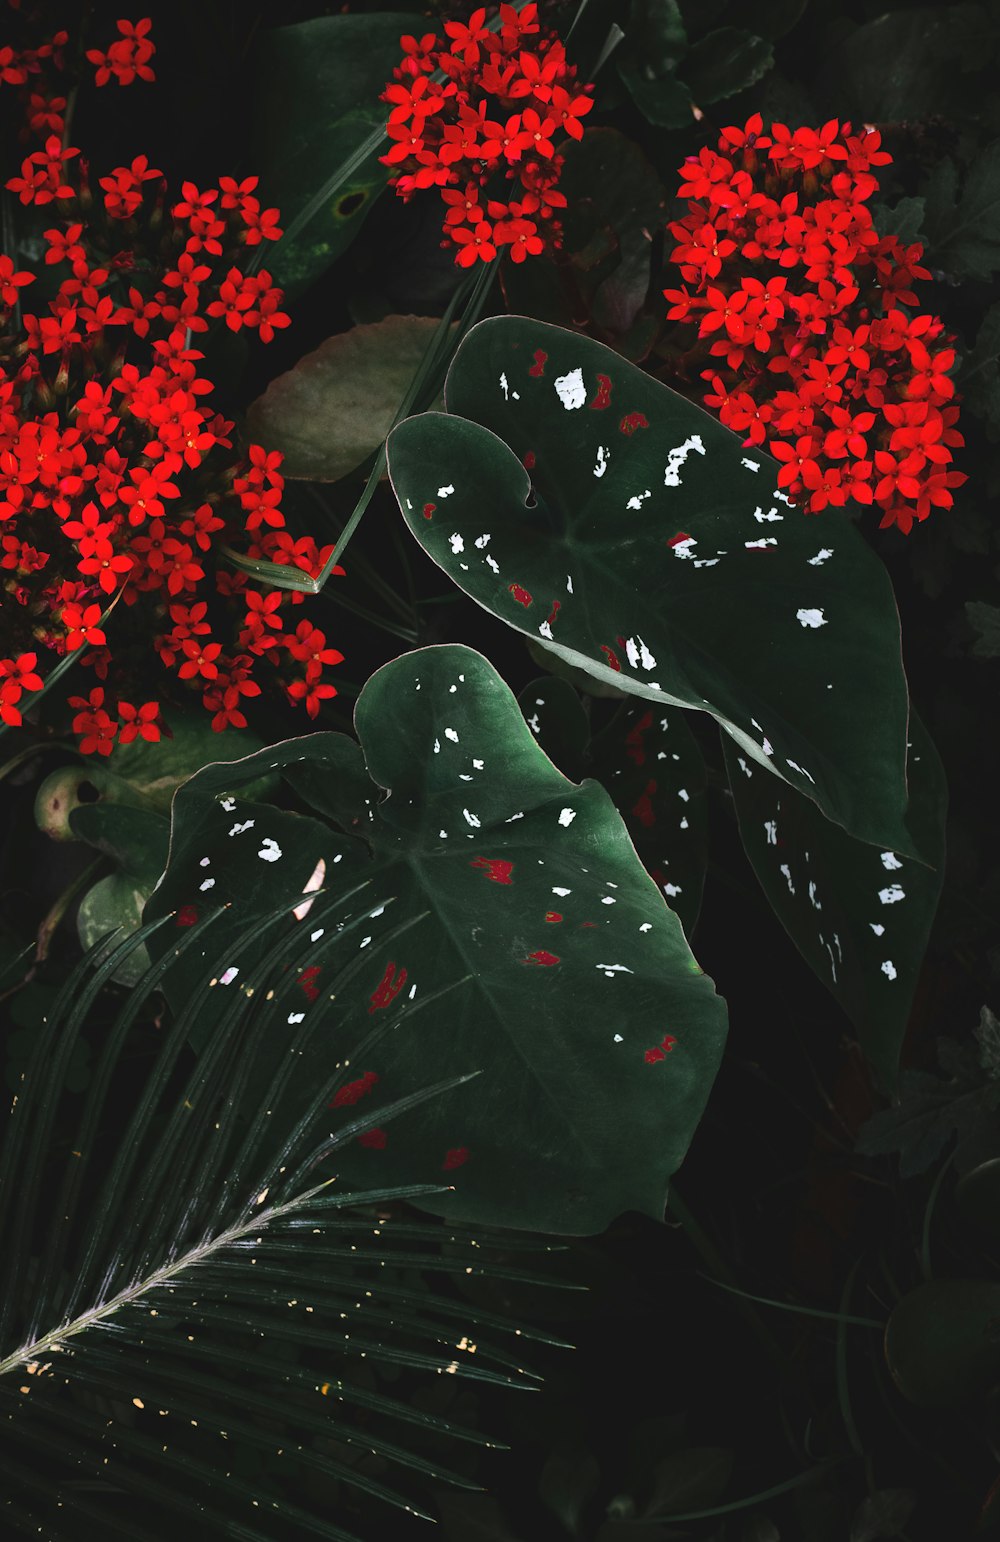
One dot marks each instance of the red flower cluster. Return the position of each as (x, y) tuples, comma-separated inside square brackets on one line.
[(117, 474), (804, 304), (128, 57), (478, 110)]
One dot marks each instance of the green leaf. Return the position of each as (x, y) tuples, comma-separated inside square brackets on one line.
[(724, 62), (336, 405), (941, 1342), (882, 1514), (963, 228), (494, 917), (692, 1479), (859, 917), (985, 622), (930, 1111), (554, 712), (904, 219), (600, 277), (316, 99), (136, 839), (649, 548), (655, 45), (979, 376), (650, 763), (155, 771), (909, 64), (166, 1285), (568, 1481)]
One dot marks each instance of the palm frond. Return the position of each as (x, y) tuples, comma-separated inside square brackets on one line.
[(190, 1312)]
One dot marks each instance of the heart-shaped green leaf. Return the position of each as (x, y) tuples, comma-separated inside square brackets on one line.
[(650, 763), (860, 917), (650, 548), (496, 916)]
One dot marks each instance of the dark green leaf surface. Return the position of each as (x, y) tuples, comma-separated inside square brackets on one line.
[(495, 917), (963, 224), (724, 62), (317, 98), (654, 47), (168, 1284), (649, 548), (600, 276), (860, 917), (650, 763)]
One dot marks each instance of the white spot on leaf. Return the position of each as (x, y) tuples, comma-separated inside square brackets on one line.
[(677, 457), (807, 617), (570, 389), (567, 816), (270, 851), (891, 895)]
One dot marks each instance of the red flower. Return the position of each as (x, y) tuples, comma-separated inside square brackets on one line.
[(81, 626), (852, 395), (127, 59), (139, 722), (97, 729)]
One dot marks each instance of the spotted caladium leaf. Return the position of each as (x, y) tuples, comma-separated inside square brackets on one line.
[(859, 915), (486, 910), (650, 762), (559, 723), (624, 528)]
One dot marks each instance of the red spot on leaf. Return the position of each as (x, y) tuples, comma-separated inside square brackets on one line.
[(375, 1139), (521, 595), (529, 460), (660, 1051), (186, 916), (456, 1157), (388, 988), (676, 540), (633, 420), (307, 981), (538, 368), (496, 868), (602, 397), (634, 747), (591, 924), (643, 809), (552, 915), (611, 657), (553, 613), (429, 510), (545, 960), (352, 1092)]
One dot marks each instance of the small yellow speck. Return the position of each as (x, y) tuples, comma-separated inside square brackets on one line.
[(138, 1403)]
